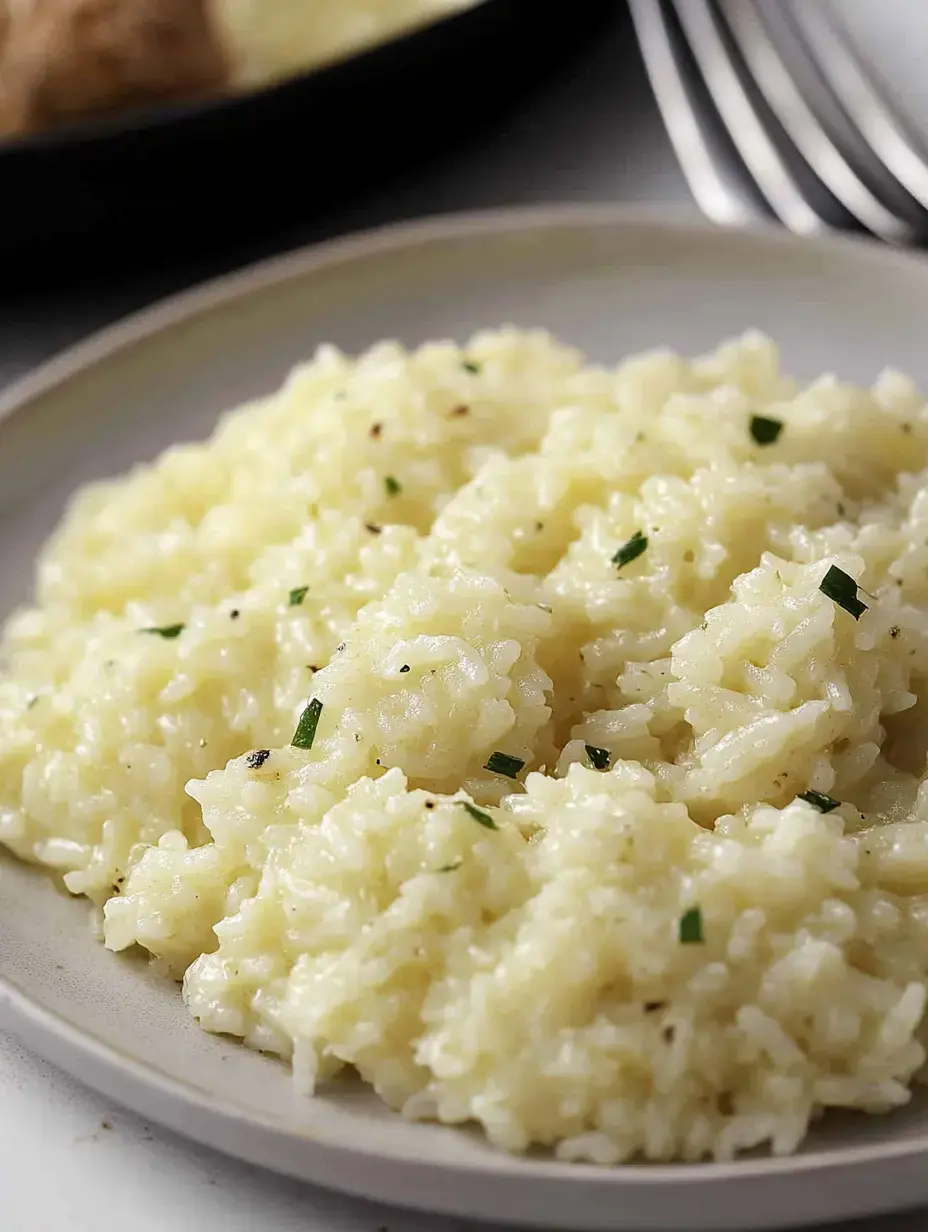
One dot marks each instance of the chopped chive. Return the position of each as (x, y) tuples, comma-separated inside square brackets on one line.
[(599, 758), (691, 927), (841, 587), (305, 732), (450, 868), (824, 804), (502, 763), (169, 632), (297, 595), (469, 366), (255, 760), (765, 431), (479, 815), (631, 550), (393, 486)]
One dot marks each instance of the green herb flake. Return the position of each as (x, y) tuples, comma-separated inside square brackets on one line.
[(765, 431), (305, 732), (824, 804), (297, 595), (631, 550), (469, 366), (502, 763), (393, 486), (691, 927), (841, 587), (484, 819), (599, 758), (168, 632)]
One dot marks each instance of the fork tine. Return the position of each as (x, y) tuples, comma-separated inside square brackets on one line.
[(706, 160), (802, 126), (760, 154), (858, 93)]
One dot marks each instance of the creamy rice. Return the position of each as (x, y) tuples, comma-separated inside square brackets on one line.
[(686, 601)]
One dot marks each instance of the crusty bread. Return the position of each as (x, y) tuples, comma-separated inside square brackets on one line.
[(65, 59)]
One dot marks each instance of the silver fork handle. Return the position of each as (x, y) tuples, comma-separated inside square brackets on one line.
[(865, 104), (718, 187), (747, 132), (788, 103)]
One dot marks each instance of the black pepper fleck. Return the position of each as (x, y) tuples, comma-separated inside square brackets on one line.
[(376, 430), (234, 614), (373, 528), (256, 760), (895, 631), (404, 668)]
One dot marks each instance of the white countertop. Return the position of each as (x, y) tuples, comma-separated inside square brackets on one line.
[(73, 1162)]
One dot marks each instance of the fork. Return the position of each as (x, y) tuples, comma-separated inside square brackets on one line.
[(707, 158), (716, 70), (865, 103), (777, 75)]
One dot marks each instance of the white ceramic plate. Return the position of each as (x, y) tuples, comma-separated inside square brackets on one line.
[(612, 282)]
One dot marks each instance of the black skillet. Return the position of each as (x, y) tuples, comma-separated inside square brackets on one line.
[(129, 187)]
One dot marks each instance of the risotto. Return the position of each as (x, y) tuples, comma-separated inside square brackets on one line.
[(546, 742)]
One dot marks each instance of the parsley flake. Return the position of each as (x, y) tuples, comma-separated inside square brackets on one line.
[(765, 431), (631, 550), (502, 763), (305, 732), (841, 587), (297, 595), (393, 485), (824, 804), (168, 632), (691, 927), (479, 815), (599, 758)]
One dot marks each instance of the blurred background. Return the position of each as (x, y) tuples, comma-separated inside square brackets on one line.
[(148, 144)]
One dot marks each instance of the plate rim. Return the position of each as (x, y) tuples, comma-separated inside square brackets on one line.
[(102, 1067)]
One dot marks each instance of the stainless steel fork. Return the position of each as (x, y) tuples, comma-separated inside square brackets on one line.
[(750, 139)]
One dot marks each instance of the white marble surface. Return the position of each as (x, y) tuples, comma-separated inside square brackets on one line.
[(70, 1161)]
